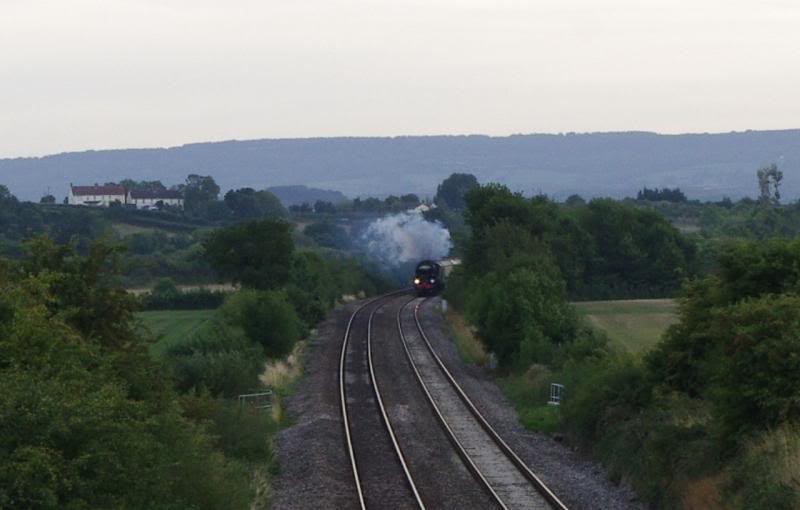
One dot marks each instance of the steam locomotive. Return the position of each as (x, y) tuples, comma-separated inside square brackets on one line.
[(430, 275), (428, 278)]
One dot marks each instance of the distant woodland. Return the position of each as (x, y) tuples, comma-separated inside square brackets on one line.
[(703, 166)]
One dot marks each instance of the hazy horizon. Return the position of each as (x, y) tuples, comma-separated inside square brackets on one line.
[(106, 74), (399, 136)]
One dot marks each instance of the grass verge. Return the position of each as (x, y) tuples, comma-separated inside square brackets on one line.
[(172, 326), (468, 344), (529, 392), (633, 325)]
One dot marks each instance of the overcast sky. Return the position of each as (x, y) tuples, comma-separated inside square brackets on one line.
[(80, 74)]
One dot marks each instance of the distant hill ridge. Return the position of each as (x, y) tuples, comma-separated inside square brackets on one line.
[(707, 166)]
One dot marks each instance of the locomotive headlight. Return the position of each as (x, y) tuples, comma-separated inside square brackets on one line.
[(416, 281), (433, 280)]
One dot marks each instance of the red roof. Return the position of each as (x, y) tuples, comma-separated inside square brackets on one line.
[(97, 190)]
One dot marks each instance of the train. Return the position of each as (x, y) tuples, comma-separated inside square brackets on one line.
[(430, 276)]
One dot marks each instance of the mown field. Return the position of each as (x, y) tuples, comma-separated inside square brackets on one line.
[(171, 326), (635, 325)]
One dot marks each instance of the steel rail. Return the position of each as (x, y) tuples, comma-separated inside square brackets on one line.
[(521, 466), (386, 421), (462, 452), (343, 397)]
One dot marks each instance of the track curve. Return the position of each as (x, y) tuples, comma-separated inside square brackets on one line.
[(380, 472), (493, 463)]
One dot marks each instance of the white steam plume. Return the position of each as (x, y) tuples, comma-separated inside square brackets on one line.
[(405, 237)]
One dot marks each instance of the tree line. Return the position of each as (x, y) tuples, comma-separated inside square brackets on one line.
[(716, 399), (93, 420)]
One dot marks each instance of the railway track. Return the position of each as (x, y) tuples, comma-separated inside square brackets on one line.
[(502, 473), (381, 474)]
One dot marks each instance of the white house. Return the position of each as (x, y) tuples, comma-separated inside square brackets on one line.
[(152, 199), (99, 196)]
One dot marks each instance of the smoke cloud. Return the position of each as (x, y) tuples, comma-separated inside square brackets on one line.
[(405, 237)]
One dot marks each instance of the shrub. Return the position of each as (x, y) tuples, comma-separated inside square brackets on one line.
[(241, 433), (166, 296), (767, 474), (266, 317), (755, 375), (603, 393), (91, 423), (257, 254), (521, 315), (219, 358), (329, 235)]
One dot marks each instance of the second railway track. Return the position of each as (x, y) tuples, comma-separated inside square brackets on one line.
[(494, 464), (381, 473)]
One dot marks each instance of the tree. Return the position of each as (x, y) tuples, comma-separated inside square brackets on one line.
[(247, 203), (575, 201), (198, 192), (410, 200), (748, 272), (769, 180), (522, 315), (48, 199), (328, 234), (267, 319), (665, 194), (151, 186), (6, 197), (452, 190), (88, 418), (322, 207), (84, 289), (256, 254), (303, 208), (756, 368)]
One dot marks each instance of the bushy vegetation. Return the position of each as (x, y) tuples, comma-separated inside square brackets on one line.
[(88, 419), (709, 399), (358, 206), (165, 295), (247, 203), (742, 219), (328, 235), (657, 195), (285, 294), (257, 254), (267, 318), (715, 399), (93, 418), (219, 358), (603, 250)]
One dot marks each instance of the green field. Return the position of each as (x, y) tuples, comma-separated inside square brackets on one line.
[(172, 326), (635, 325)]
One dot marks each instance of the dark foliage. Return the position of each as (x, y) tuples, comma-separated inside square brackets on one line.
[(450, 193), (664, 194), (89, 420), (247, 203), (605, 250), (256, 254), (220, 359), (166, 296), (328, 235), (267, 319)]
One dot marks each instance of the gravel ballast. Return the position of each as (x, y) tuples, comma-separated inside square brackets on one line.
[(577, 481), (314, 466)]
